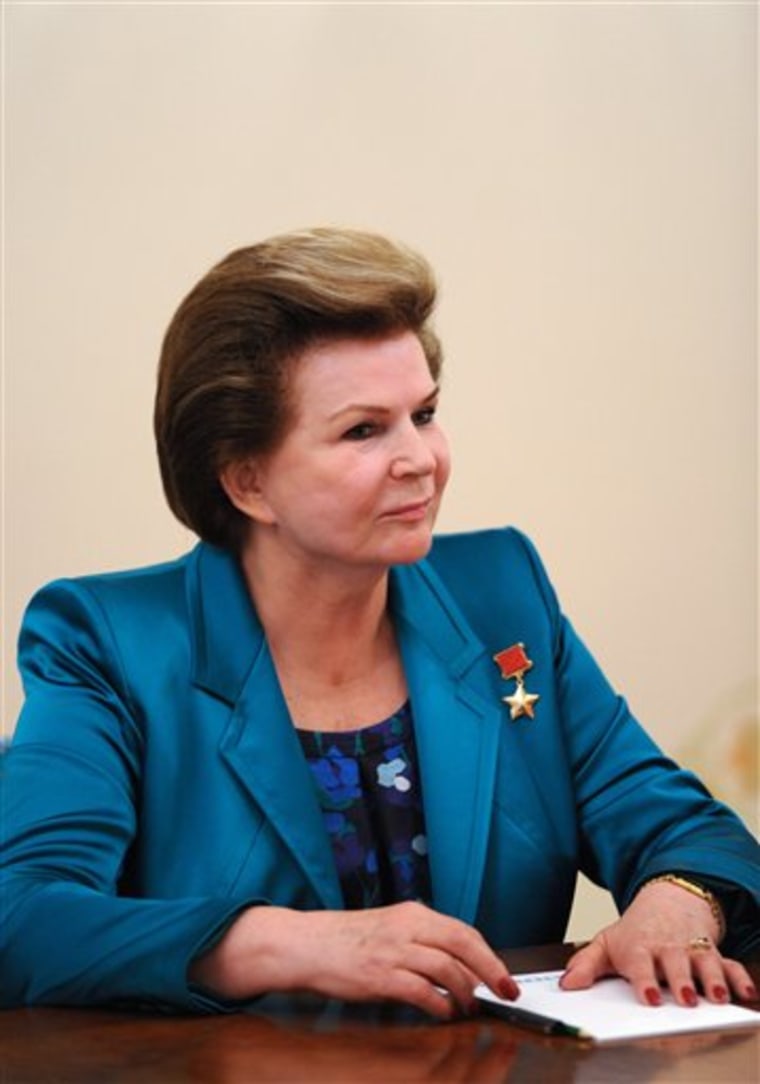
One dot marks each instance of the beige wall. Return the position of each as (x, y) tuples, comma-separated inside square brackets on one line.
[(584, 179)]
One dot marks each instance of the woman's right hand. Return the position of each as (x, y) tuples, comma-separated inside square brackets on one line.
[(405, 952)]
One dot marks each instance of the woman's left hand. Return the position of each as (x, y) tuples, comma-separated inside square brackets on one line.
[(667, 935)]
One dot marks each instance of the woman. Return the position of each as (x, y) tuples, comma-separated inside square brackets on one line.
[(326, 751)]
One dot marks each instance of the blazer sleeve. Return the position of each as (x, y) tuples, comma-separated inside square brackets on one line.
[(70, 786), (639, 813)]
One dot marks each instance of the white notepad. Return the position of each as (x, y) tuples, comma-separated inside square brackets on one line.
[(609, 1010)]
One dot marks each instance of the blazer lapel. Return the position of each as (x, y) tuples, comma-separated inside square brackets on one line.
[(461, 729), (232, 662)]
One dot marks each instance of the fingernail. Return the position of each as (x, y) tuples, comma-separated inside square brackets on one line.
[(689, 995), (750, 992), (653, 995), (507, 988), (720, 993)]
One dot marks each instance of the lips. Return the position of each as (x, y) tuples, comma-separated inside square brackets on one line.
[(413, 510)]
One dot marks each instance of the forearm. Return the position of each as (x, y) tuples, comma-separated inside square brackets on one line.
[(65, 944), (403, 952), (258, 953)]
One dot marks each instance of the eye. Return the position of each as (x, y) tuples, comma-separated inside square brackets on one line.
[(424, 416), (362, 431)]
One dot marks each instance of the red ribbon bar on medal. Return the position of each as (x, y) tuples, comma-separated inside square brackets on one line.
[(512, 661)]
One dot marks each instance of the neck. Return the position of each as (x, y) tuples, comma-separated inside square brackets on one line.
[(332, 623), (331, 639)]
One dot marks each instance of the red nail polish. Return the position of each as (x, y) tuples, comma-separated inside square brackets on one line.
[(720, 993), (750, 992), (689, 996), (507, 988), (653, 995)]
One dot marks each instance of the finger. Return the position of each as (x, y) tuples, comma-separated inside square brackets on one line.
[(443, 970), (415, 990), (586, 966), (709, 971), (466, 945), (506, 987), (678, 967), (474, 980), (638, 965), (740, 980), (719, 977)]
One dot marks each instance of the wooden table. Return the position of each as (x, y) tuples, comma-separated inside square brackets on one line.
[(317, 1043)]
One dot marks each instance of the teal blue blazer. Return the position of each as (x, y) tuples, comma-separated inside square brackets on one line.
[(155, 786)]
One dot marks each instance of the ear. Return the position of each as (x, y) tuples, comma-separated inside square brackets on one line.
[(241, 481)]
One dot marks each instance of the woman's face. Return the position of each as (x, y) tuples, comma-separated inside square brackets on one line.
[(359, 476)]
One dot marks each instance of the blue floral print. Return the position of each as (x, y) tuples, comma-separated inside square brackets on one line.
[(368, 788), (338, 777)]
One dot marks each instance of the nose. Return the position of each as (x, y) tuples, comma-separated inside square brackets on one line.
[(413, 453)]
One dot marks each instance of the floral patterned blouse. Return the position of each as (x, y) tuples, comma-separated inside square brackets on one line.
[(368, 788)]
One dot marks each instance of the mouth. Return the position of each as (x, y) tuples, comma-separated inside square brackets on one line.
[(410, 513)]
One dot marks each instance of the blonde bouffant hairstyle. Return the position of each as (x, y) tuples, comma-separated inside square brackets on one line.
[(231, 348)]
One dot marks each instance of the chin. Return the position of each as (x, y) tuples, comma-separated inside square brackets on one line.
[(412, 549)]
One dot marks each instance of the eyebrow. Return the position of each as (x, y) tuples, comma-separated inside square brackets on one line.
[(369, 408)]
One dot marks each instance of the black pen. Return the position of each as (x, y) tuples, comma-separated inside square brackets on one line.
[(532, 1020)]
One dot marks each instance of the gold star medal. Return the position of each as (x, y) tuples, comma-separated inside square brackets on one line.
[(513, 664)]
